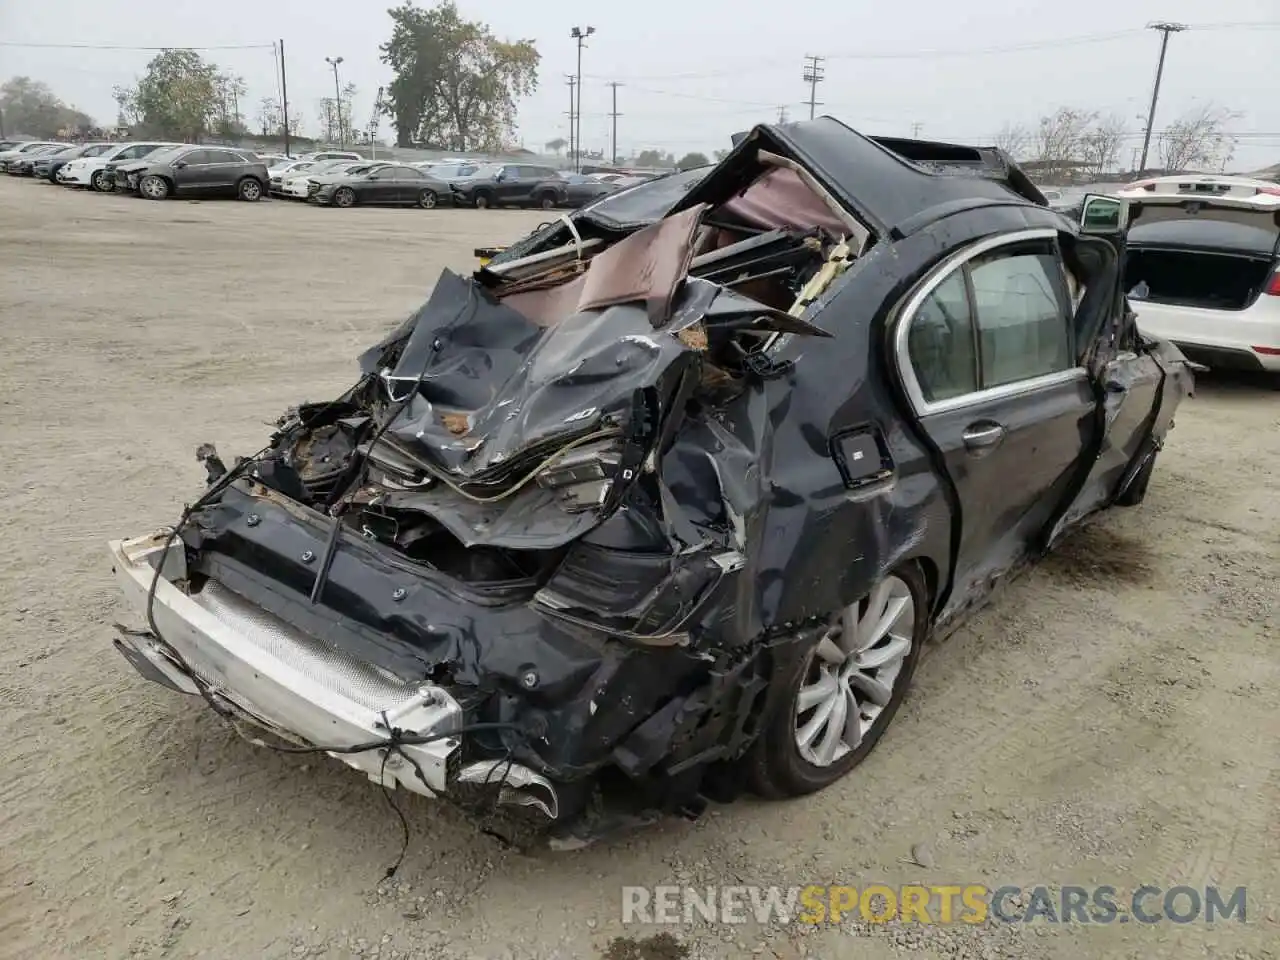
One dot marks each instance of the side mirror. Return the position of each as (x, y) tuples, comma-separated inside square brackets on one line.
[(1104, 215), (179, 164), (501, 175)]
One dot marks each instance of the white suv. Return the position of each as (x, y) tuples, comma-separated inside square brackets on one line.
[(87, 171), (1203, 267)]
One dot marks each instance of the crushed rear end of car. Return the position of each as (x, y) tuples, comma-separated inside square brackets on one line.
[(508, 565)]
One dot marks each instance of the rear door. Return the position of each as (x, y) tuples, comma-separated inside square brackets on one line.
[(986, 349), (409, 183), (224, 168)]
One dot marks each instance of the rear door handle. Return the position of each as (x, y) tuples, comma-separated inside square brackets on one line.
[(983, 436)]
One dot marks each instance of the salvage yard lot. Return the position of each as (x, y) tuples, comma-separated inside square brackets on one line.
[(1111, 719)]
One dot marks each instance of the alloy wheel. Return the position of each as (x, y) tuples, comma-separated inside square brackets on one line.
[(852, 673), (250, 190), (345, 197), (427, 200), (153, 188)]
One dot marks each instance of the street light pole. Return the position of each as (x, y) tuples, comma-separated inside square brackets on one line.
[(580, 34), (337, 98)]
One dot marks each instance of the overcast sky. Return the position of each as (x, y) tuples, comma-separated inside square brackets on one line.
[(694, 72)]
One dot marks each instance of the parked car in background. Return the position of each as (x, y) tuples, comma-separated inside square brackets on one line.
[(635, 519), (570, 190), (281, 172), (450, 170), (90, 171), (49, 165), (1203, 267), (297, 186), (21, 164), (384, 184), (332, 155), (25, 149), (196, 173), (504, 184)]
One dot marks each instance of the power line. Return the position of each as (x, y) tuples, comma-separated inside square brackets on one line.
[(113, 46), (813, 75), (756, 64), (696, 96)]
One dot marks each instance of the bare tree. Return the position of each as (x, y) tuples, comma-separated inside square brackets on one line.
[(1014, 139), (1198, 139), (347, 128), (268, 116), (1100, 145), (1059, 140), (328, 122)]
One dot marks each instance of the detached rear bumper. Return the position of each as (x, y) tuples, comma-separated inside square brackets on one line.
[(290, 683)]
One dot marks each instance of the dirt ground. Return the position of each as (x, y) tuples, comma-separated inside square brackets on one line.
[(1113, 719)]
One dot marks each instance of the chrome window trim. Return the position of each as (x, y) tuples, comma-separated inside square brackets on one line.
[(907, 314)]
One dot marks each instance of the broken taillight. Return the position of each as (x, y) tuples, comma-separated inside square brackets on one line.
[(1273, 285)]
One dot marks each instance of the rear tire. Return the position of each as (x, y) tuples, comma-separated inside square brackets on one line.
[(99, 182), (249, 189), (428, 200), (777, 764), (547, 201), (1136, 492)]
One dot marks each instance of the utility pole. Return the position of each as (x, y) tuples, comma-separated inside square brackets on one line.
[(813, 75), (1165, 29), (915, 130), (782, 113), (572, 81), (580, 34), (374, 121), (337, 98), (613, 153), (284, 98)]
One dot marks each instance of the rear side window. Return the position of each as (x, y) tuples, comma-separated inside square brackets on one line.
[(1023, 328), (941, 342), (222, 156), (1000, 318)]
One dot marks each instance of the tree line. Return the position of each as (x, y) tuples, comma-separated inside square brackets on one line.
[(1071, 143), (28, 107)]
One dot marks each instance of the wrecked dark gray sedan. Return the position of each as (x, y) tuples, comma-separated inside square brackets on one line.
[(662, 504)]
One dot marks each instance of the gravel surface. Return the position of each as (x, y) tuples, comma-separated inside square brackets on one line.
[(1112, 718)]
